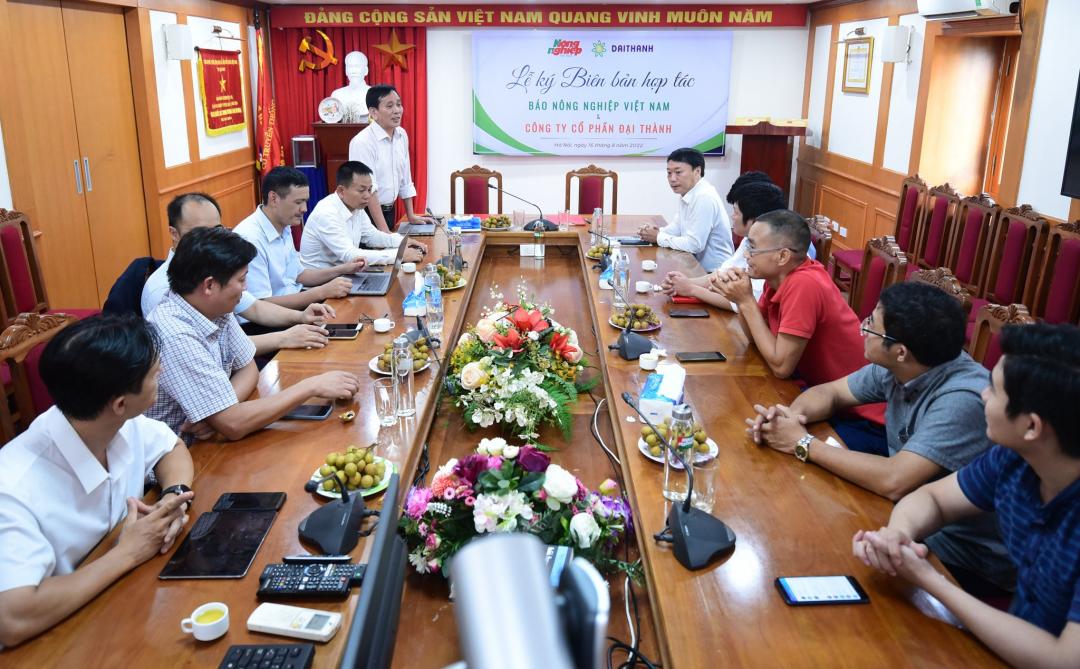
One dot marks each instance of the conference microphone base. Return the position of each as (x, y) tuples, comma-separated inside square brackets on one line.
[(631, 345), (335, 528), (697, 537), (541, 224)]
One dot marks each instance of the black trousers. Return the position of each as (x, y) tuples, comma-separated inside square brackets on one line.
[(388, 212)]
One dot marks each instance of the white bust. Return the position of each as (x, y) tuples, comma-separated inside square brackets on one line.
[(354, 96)]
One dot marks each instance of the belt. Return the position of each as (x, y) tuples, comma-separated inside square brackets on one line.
[(388, 214)]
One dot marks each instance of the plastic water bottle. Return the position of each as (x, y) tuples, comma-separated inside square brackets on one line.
[(433, 282), (620, 280), (681, 438), (403, 374), (598, 227), (538, 243)]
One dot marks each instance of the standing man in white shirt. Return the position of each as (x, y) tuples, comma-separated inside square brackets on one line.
[(338, 226), (275, 274), (384, 146), (78, 472), (702, 226)]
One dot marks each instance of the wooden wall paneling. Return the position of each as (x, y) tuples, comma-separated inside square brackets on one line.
[(107, 138), (1034, 15), (884, 100), (806, 191), (1074, 209), (44, 159), (830, 85), (850, 212), (884, 221)]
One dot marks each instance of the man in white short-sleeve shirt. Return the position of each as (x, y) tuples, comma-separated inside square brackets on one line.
[(384, 147), (78, 472), (701, 227), (208, 369), (339, 231)]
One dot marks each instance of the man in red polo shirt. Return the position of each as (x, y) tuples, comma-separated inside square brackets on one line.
[(802, 323)]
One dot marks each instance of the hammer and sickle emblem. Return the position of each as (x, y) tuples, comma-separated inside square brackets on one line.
[(326, 55)]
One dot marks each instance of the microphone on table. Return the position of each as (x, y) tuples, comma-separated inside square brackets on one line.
[(630, 345), (537, 224), (605, 255), (696, 537), (335, 527)]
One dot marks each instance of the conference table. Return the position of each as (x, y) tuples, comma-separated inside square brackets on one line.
[(790, 518)]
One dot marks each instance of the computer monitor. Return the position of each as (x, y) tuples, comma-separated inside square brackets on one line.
[(370, 642)]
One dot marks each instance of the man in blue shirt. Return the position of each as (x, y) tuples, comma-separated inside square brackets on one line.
[(1032, 481)]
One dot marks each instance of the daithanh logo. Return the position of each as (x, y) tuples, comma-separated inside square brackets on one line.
[(565, 47), (599, 49), (631, 48)]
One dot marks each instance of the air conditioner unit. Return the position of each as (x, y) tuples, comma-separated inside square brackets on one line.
[(953, 10)]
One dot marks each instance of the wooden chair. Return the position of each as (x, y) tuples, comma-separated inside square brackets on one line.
[(476, 193), (17, 352), (591, 181), (1015, 243), (969, 246), (848, 262), (821, 237), (1053, 293), (983, 344), (939, 219), (22, 287), (884, 264), (943, 278)]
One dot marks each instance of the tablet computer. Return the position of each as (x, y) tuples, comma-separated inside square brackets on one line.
[(221, 544)]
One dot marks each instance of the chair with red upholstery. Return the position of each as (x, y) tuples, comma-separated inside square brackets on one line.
[(884, 264), (942, 277), (1053, 293), (1015, 244), (22, 286), (20, 344), (848, 262), (591, 180), (939, 218), (984, 344), (475, 189), (820, 237), (969, 246)]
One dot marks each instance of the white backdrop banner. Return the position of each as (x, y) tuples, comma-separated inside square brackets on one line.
[(599, 92)]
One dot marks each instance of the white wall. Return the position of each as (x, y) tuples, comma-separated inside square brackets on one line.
[(768, 68), (853, 124), (904, 98), (170, 93), (1051, 111), (5, 186), (202, 35), (819, 74)]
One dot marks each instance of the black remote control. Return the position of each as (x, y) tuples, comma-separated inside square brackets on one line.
[(283, 655), (318, 580)]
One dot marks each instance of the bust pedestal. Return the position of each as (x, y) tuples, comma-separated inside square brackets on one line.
[(334, 141)]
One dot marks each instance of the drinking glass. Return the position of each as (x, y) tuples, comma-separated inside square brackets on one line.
[(385, 401), (518, 219), (705, 482), (564, 221)]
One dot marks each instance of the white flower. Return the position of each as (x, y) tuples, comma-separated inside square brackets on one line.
[(535, 336), (445, 470), (491, 446), (584, 530), (500, 513), (510, 452), (560, 486), (485, 330), (473, 376), (466, 338), (418, 561)]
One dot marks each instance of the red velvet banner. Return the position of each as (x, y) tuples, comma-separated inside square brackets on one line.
[(222, 91), (299, 92), (584, 15)]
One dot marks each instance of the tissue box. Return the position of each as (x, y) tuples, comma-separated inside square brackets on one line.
[(663, 390)]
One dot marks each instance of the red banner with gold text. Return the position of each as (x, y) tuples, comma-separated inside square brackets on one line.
[(539, 15), (222, 91)]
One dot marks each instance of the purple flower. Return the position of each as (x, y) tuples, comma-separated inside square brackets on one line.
[(471, 467), (417, 501), (533, 460), (494, 462)]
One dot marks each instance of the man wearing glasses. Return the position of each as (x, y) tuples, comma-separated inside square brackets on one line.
[(934, 421)]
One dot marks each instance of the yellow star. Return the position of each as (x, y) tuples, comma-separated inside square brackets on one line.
[(395, 50), (222, 82)]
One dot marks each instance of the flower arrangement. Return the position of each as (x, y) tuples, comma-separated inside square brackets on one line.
[(517, 368), (505, 488)]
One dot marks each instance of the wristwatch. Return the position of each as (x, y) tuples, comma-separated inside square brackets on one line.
[(802, 447), (178, 489)]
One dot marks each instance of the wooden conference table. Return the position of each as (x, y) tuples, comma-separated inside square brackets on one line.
[(790, 518)]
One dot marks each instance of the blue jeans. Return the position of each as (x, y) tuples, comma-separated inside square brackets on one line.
[(861, 435)]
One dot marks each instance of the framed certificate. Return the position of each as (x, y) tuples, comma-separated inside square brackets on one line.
[(857, 62)]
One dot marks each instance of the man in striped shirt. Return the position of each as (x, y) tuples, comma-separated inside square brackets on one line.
[(1032, 481)]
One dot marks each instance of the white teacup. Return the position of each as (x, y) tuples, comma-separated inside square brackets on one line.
[(408, 267), (208, 622), (383, 325), (648, 265), (643, 287), (648, 361)]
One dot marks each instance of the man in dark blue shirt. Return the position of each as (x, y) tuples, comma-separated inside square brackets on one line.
[(1032, 481)]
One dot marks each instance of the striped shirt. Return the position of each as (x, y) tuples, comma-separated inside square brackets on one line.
[(198, 358), (1042, 539)]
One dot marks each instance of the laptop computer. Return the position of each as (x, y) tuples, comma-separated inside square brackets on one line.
[(378, 283), (421, 230)]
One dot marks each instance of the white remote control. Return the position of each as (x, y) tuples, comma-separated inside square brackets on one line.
[(294, 621)]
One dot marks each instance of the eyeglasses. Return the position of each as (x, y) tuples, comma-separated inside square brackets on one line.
[(751, 252), (865, 329)]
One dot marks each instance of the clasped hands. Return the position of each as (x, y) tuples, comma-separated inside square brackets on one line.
[(777, 427), (150, 529), (894, 553), (732, 283)]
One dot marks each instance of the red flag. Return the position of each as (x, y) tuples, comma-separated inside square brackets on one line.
[(270, 154)]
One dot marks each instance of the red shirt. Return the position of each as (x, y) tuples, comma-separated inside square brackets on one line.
[(809, 305)]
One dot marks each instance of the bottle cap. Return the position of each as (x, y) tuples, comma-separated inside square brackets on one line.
[(681, 412)]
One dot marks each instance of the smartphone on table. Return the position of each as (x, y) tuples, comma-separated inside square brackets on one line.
[(309, 412), (700, 356), (815, 590)]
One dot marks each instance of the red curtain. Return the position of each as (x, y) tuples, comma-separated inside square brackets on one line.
[(299, 93)]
